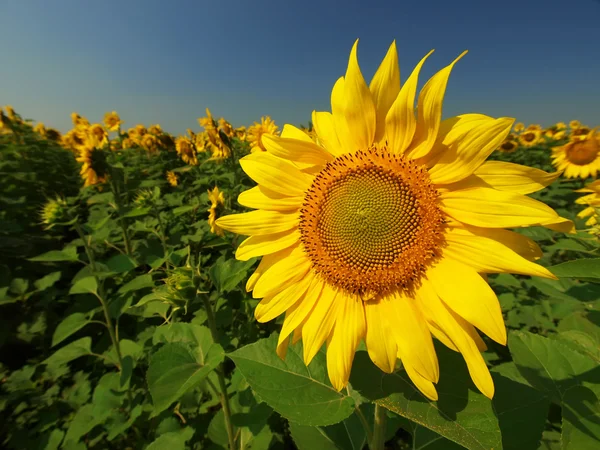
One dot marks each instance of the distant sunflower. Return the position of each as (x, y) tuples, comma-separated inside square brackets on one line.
[(150, 142), (94, 169), (207, 122), (574, 124), (40, 129), (10, 112), (381, 231), (560, 126), (240, 133), (112, 121), (226, 128), (580, 157), (79, 121), (97, 135), (127, 143), (508, 146), (534, 126), (185, 150), (156, 130), (258, 130), (172, 178), (580, 131), (217, 201), (592, 201), (530, 137), (519, 126)]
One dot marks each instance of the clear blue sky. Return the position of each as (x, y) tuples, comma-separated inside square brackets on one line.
[(159, 61)]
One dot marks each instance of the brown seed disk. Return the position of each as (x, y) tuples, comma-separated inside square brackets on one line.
[(371, 222)]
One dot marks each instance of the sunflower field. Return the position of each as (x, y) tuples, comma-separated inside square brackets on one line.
[(381, 278)]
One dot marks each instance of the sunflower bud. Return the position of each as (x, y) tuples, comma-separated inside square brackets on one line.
[(54, 212)]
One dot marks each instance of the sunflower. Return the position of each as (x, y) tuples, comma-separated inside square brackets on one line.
[(573, 124), (10, 112), (97, 135), (266, 127), (226, 128), (534, 126), (127, 143), (75, 139), (185, 149), (40, 129), (156, 130), (530, 137), (172, 178), (240, 133), (592, 201), (560, 126), (508, 146), (519, 126), (53, 135), (3, 120), (112, 121), (53, 212), (580, 131), (94, 169), (580, 157), (381, 231), (79, 121), (137, 133), (217, 201), (150, 142), (207, 122)]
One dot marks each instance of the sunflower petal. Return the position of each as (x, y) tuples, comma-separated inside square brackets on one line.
[(384, 88), (264, 244), (319, 323), (266, 262), (276, 174), (511, 177), (430, 111), (259, 197), (338, 112), (400, 121), (259, 222), (348, 331), (296, 150), (289, 269), (326, 131), (486, 207), (292, 132), (426, 387), (359, 108), (466, 293), (382, 350), (272, 306), (299, 313)]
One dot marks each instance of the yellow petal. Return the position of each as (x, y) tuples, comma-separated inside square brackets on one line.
[(511, 177), (318, 325), (296, 150), (484, 254), (384, 88), (299, 313), (272, 306), (288, 270), (486, 207), (348, 331), (410, 330), (292, 132), (260, 197), (259, 222), (468, 152), (338, 111), (466, 293), (326, 132), (426, 387), (266, 262), (276, 174), (264, 244), (445, 319), (359, 110), (382, 349), (560, 224), (430, 111), (400, 121), (441, 335)]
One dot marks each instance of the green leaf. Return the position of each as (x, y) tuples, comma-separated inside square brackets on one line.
[(69, 352), (70, 325), (87, 285), (299, 393), (47, 281), (67, 254), (584, 269), (189, 333), (121, 263), (137, 212), (141, 282), (183, 209), (226, 274), (19, 286), (462, 414), (177, 368), (173, 440)]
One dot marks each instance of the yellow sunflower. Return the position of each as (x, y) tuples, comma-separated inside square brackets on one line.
[(3, 119), (519, 126), (40, 129), (185, 149), (573, 124), (97, 135), (226, 128), (75, 139), (381, 231), (560, 126), (79, 121), (150, 142), (240, 133), (580, 157), (156, 130), (172, 178), (94, 169), (112, 121), (508, 146), (217, 201), (266, 127), (581, 130), (207, 122), (534, 126), (530, 137), (592, 201), (127, 143), (10, 112)]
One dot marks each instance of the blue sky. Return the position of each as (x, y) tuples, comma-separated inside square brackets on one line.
[(158, 61)]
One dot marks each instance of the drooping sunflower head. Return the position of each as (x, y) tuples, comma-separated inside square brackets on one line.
[(258, 130), (207, 122), (54, 211), (217, 202), (380, 228), (172, 178), (519, 126), (529, 138), (580, 157), (508, 146), (112, 121), (53, 135), (226, 128), (185, 150), (79, 121), (94, 167)]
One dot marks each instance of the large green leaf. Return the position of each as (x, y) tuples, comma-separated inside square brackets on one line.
[(121, 263), (176, 368), (141, 282), (583, 269), (569, 377), (173, 440), (299, 393), (87, 285), (70, 324), (68, 353), (67, 254), (226, 274)]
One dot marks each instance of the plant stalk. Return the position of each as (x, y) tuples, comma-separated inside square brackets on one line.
[(122, 224), (378, 441)]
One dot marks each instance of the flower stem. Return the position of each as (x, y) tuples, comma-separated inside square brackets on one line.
[(223, 396), (117, 195), (378, 441)]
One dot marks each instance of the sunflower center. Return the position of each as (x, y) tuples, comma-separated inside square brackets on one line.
[(583, 152), (529, 137), (371, 222)]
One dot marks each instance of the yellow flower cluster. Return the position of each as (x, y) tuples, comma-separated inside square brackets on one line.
[(258, 130), (592, 202), (217, 201)]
